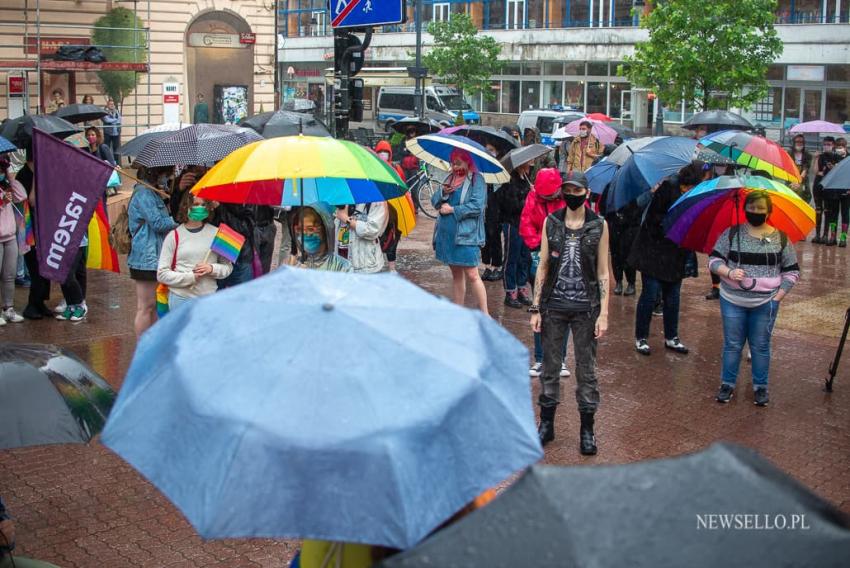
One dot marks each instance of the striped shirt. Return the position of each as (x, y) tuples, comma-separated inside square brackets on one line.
[(770, 265)]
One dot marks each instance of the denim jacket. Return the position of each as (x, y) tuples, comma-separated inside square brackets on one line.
[(149, 223), (469, 213)]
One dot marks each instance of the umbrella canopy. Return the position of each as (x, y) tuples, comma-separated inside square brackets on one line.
[(523, 155), (499, 139), (435, 149), (604, 133), (717, 120), (135, 145), (600, 116), (838, 177), (405, 213), (19, 130), (817, 127), (648, 166), (298, 170), (81, 113), (646, 514), (754, 152), (623, 132), (372, 439), (48, 396), (6, 146), (699, 216), (600, 175), (422, 125), (625, 150), (195, 145), (712, 157), (284, 123)]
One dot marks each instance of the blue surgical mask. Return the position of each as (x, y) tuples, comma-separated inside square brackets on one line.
[(312, 243), (3, 177)]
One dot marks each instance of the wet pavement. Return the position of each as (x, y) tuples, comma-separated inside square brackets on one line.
[(81, 506)]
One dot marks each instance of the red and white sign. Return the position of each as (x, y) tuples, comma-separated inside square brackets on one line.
[(16, 86), (248, 37), (51, 44), (170, 99)]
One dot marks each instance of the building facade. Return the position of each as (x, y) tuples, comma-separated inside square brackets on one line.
[(222, 49), (567, 52)]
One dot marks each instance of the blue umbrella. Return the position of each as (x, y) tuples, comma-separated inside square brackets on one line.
[(323, 405), (600, 175), (436, 150), (649, 165), (6, 146)]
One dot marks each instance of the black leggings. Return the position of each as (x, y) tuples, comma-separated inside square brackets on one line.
[(74, 287), (833, 208)]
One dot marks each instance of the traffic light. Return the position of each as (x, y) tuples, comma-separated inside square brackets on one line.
[(356, 94)]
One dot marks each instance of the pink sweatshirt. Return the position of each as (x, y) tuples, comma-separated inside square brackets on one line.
[(8, 222)]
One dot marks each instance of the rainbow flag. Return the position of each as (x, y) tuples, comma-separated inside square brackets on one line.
[(227, 243), (161, 300), (23, 220), (101, 255)]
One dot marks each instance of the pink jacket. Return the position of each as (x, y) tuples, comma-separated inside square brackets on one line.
[(8, 223), (533, 214)]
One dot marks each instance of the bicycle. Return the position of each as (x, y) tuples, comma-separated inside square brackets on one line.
[(423, 186)]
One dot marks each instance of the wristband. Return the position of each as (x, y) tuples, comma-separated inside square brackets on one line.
[(534, 309)]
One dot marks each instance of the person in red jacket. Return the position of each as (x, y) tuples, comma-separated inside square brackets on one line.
[(385, 151), (544, 199)]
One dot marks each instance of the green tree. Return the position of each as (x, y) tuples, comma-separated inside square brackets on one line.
[(127, 44), (461, 57), (714, 53)]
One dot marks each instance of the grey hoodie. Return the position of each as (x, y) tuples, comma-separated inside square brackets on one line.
[(327, 260)]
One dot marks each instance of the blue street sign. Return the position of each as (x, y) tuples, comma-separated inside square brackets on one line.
[(365, 13)]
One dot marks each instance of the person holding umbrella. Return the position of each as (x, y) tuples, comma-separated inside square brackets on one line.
[(571, 292), (459, 231), (825, 162), (510, 200), (584, 148), (837, 201), (757, 268), (803, 160)]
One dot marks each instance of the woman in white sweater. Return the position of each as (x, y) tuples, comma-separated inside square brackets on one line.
[(186, 264)]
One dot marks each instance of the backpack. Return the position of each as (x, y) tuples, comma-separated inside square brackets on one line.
[(120, 237), (389, 237)]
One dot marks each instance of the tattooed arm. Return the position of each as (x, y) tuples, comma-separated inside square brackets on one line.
[(540, 278), (602, 277)]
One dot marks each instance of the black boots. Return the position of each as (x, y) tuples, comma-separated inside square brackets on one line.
[(546, 430), (587, 441)]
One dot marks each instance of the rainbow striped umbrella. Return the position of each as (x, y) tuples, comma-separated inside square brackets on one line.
[(298, 170), (754, 152), (436, 150), (698, 218)]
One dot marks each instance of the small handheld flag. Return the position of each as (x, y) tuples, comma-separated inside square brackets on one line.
[(101, 255), (227, 243)]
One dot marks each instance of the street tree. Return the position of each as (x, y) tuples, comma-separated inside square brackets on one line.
[(461, 57), (713, 53), (122, 35)]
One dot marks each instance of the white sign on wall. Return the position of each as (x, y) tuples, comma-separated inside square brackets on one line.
[(232, 41), (806, 73), (171, 102)]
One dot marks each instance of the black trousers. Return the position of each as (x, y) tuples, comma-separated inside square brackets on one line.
[(621, 239), (39, 285), (74, 286), (555, 326), (491, 252)]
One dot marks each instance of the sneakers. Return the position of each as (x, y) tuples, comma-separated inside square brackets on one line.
[(11, 316), (658, 310), (492, 275), (73, 313), (642, 347), (618, 289), (536, 370), (60, 307), (564, 371), (817, 240), (676, 345), (760, 398), (724, 395), (713, 295), (488, 273), (630, 290), (512, 300), (523, 297), (2, 322)]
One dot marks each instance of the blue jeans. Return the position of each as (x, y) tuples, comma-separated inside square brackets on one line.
[(517, 259), (242, 272), (643, 315), (751, 325)]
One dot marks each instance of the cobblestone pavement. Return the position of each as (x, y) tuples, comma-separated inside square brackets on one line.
[(81, 506)]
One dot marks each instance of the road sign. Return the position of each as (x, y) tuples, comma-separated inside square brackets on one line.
[(365, 13)]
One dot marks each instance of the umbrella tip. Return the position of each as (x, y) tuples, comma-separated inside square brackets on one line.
[(327, 307)]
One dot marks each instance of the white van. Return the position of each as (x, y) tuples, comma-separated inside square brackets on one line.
[(547, 121), (441, 104)]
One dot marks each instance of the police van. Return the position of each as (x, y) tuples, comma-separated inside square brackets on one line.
[(442, 104), (547, 121)]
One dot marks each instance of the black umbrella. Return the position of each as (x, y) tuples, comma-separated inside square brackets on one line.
[(48, 396), (198, 144), (712, 157), (670, 512), (523, 155), (838, 177), (284, 123), (717, 120), (422, 125), (135, 145), (81, 113), (19, 130), (623, 132), (499, 139)]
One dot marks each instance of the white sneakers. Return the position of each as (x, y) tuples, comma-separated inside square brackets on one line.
[(11, 316), (537, 369)]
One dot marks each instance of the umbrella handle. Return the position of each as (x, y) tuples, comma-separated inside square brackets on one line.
[(747, 288)]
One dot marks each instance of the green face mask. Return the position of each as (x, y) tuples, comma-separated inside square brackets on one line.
[(198, 213)]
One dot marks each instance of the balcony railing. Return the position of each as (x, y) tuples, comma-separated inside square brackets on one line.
[(812, 17)]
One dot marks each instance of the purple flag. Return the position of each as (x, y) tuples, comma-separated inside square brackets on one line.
[(68, 184)]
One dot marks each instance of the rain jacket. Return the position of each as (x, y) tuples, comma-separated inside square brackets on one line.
[(578, 160), (537, 208), (149, 222), (511, 198), (329, 261), (364, 247), (385, 146)]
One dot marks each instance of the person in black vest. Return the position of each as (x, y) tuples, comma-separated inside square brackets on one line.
[(571, 293)]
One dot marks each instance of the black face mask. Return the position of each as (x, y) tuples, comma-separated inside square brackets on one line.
[(755, 219), (575, 201)]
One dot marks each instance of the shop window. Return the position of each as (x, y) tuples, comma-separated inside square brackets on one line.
[(615, 99), (838, 73), (530, 95), (553, 93), (574, 68), (574, 94), (510, 97), (493, 105), (553, 68), (838, 106), (599, 69)]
